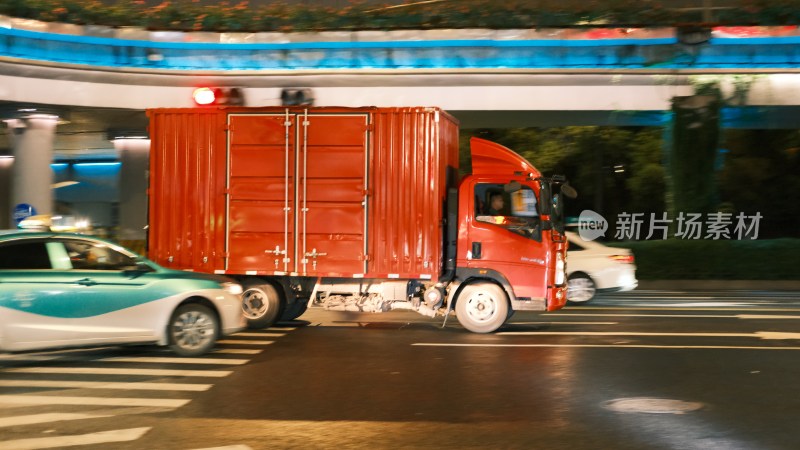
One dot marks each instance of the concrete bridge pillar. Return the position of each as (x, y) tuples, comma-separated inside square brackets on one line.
[(134, 156), (32, 140)]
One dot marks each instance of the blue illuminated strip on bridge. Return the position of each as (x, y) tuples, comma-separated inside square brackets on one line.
[(661, 53)]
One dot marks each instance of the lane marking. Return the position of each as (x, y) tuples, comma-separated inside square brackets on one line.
[(712, 347), (99, 371), (682, 316), (764, 316), (227, 447), (244, 342), (45, 418), (757, 334), (628, 308), (95, 401), (258, 335), (563, 323), (107, 385), (239, 351), (159, 359), (102, 437)]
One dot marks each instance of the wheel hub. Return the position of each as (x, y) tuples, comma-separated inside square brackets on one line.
[(192, 330)]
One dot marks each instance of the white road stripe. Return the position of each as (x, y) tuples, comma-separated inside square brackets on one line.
[(45, 418), (563, 323), (764, 316), (102, 437), (244, 342), (257, 335), (23, 399), (101, 371), (228, 447), (713, 347), (239, 351), (683, 316), (107, 385), (757, 334), (158, 359)]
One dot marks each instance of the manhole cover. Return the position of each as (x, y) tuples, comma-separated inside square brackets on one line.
[(651, 405)]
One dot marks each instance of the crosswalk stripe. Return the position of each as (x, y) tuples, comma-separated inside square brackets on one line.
[(102, 371), (239, 351), (45, 418), (158, 359), (257, 335), (57, 400), (102, 437), (107, 385), (244, 342)]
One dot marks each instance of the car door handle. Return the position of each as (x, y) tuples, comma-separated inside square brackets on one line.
[(86, 282)]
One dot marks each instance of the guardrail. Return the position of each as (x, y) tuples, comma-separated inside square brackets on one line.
[(659, 53)]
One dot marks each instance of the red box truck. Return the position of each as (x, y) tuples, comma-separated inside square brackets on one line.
[(354, 209)]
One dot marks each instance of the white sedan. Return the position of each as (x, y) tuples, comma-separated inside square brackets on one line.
[(593, 267)]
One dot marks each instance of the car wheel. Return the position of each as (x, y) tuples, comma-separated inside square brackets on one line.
[(482, 307), (261, 304), (580, 288), (193, 330)]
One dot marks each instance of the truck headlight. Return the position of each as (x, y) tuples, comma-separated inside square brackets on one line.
[(560, 269), (232, 288)]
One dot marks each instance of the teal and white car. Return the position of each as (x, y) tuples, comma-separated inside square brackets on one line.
[(72, 290)]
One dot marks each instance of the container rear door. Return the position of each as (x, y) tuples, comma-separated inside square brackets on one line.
[(332, 194), (261, 212)]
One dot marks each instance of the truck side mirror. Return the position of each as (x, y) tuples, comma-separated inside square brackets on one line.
[(569, 191), (545, 202)]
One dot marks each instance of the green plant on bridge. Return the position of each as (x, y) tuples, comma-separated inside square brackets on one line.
[(329, 15)]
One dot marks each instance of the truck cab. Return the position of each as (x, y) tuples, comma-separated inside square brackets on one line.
[(517, 249)]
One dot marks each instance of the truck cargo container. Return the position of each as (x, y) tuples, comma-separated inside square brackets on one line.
[(353, 209)]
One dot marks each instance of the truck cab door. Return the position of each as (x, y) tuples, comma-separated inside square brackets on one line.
[(504, 234)]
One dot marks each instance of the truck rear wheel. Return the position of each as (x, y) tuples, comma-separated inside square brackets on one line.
[(293, 310), (261, 304), (482, 307)]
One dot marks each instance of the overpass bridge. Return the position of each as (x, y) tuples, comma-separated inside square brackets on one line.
[(99, 80)]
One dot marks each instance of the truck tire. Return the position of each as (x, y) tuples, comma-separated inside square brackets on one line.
[(261, 303), (482, 307), (293, 311), (193, 330)]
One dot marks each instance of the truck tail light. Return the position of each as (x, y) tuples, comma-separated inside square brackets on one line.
[(204, 96), (560, 269), (210, 96), (625, 259)]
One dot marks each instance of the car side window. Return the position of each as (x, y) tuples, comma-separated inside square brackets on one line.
[(24, 255), (87, 255)]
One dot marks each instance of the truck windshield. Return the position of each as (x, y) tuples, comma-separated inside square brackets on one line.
[(515, 211)]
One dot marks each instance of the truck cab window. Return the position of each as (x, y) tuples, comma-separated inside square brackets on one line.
[(515, 211)]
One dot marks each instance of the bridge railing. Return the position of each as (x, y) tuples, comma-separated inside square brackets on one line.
[(657, 53)]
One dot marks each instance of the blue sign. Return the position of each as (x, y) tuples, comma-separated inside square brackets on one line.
[(22, 211)]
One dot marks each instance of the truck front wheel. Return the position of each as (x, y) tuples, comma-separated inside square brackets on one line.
[(261, 304), (482, 307)]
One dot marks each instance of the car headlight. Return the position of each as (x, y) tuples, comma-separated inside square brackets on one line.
[(232, 288)]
